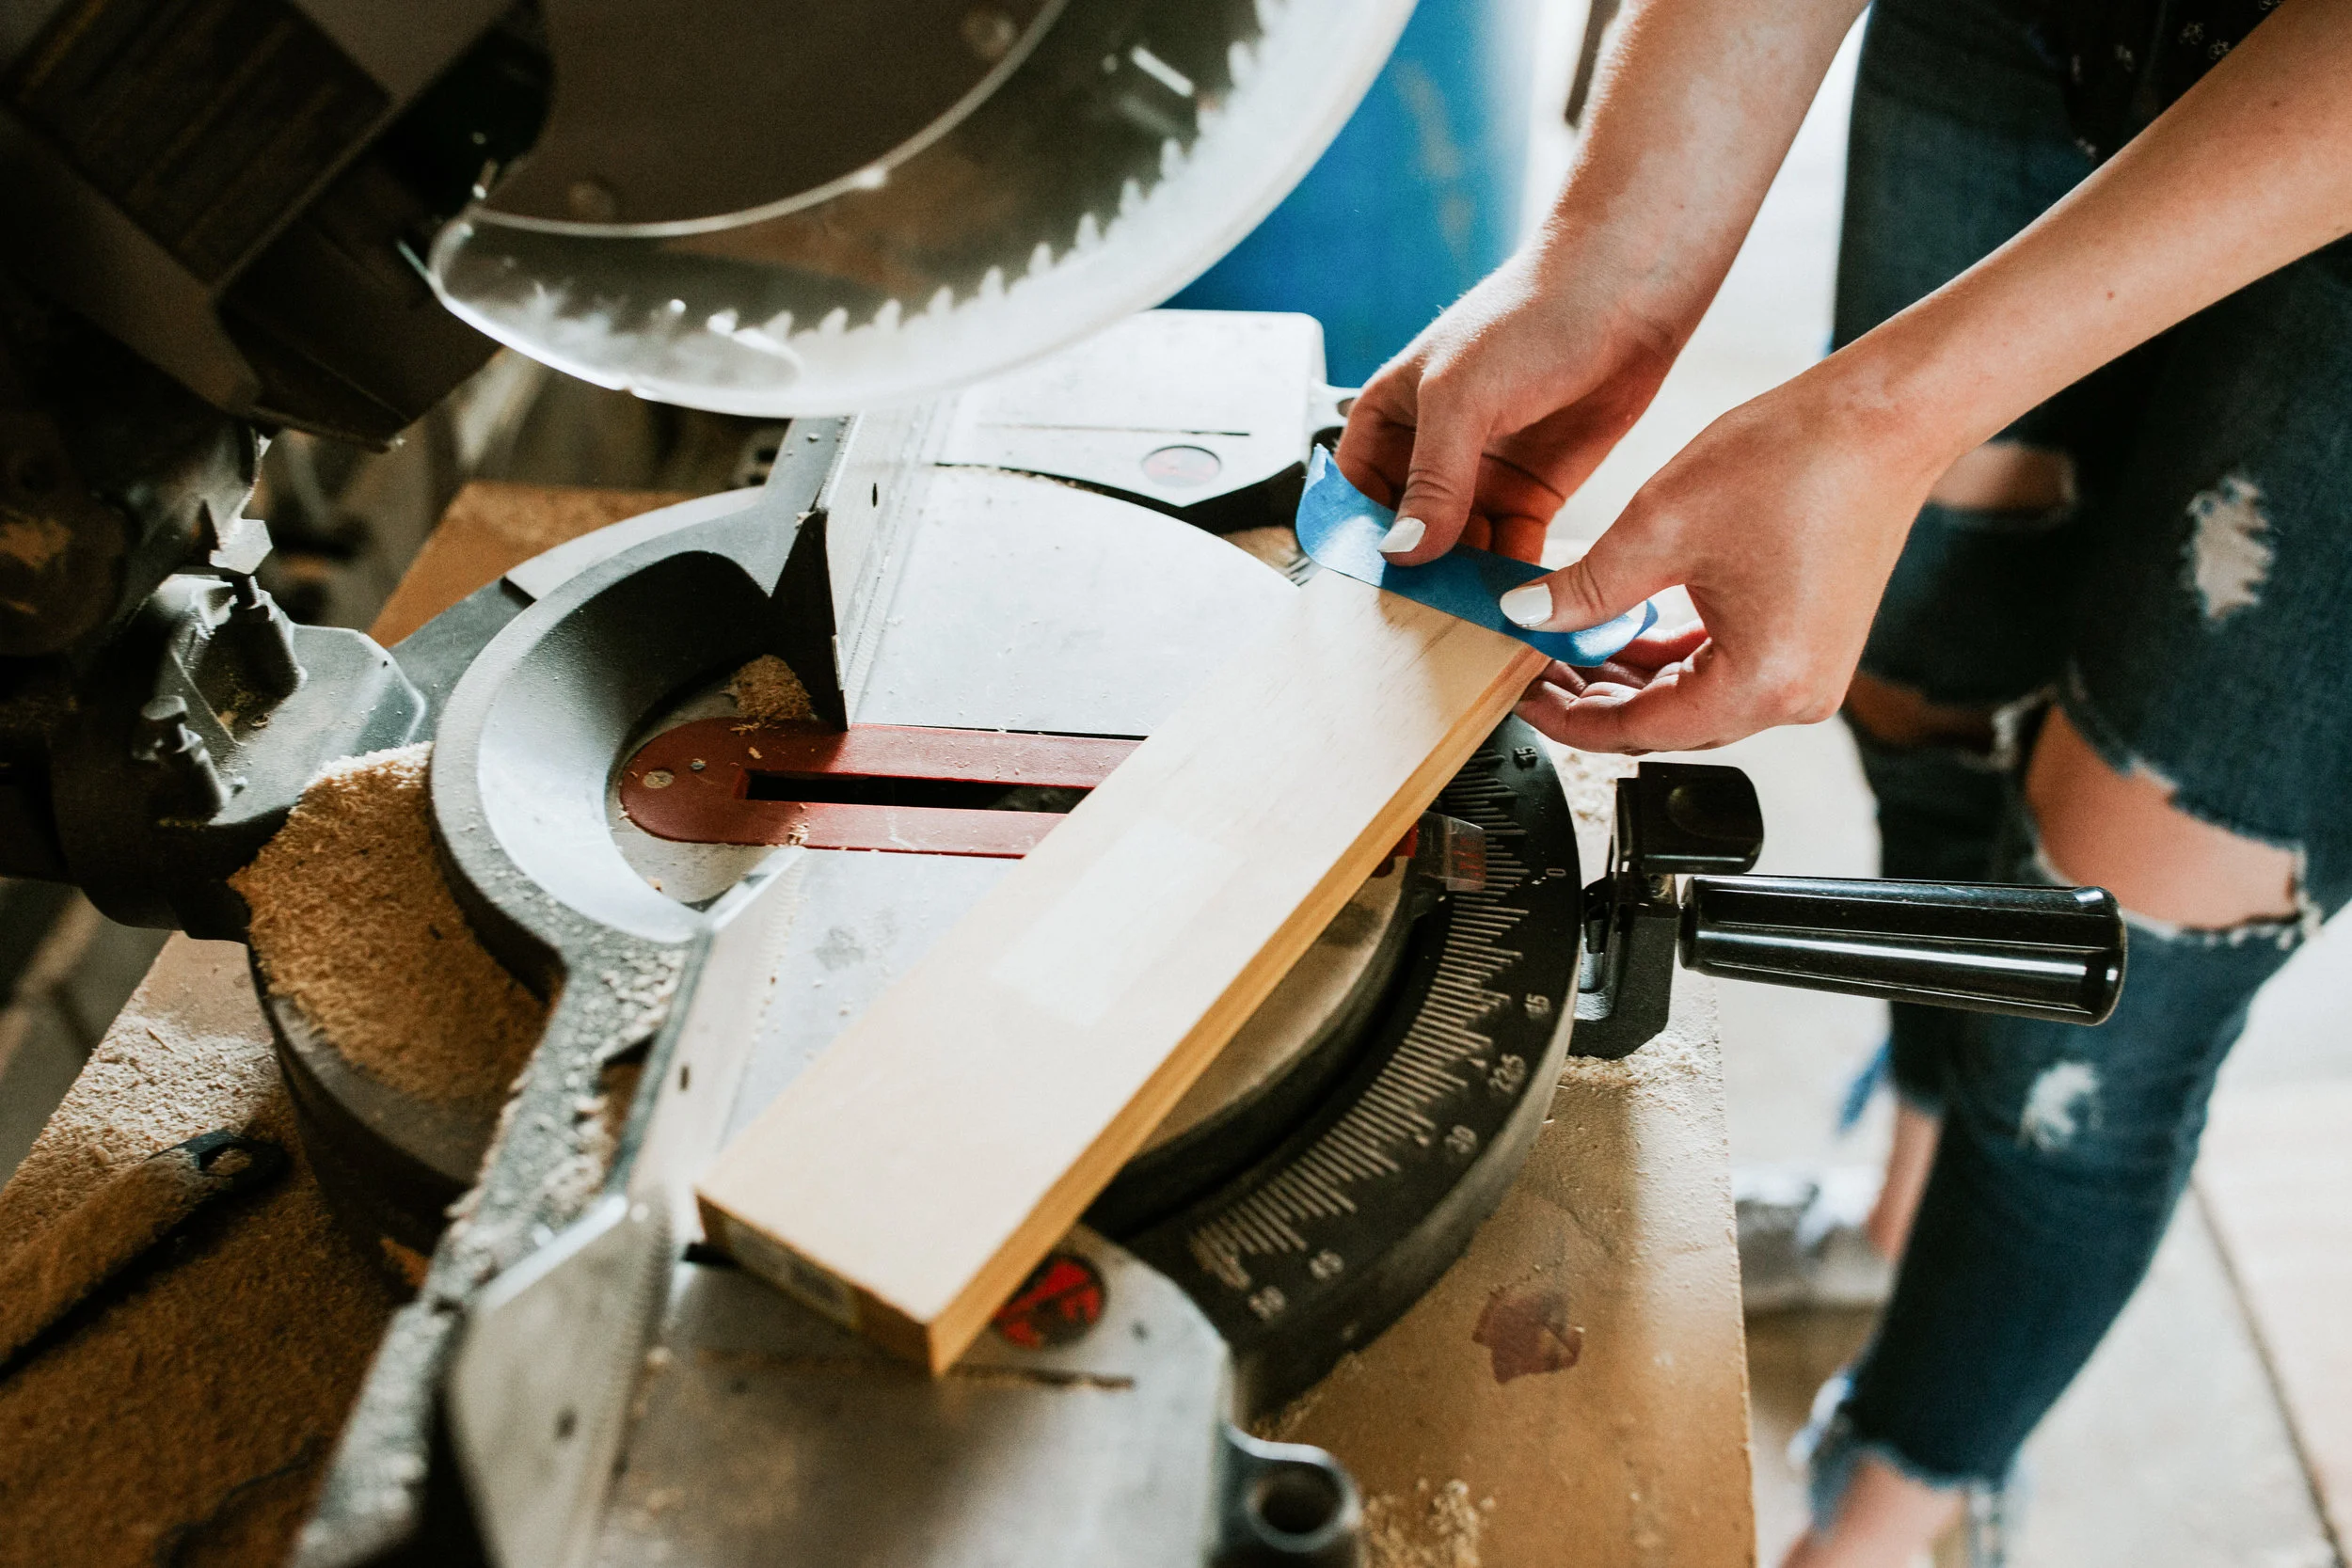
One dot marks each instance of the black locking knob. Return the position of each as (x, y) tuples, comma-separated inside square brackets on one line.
[(189, 782), (2040, 952), (259, 638)]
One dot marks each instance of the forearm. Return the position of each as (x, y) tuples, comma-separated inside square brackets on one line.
[(1693, 111), (2250, 170)]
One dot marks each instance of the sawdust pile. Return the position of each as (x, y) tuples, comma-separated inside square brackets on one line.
[(1438, 1526), (128, 1213), (352, 920), (766, 692), (1673, 1071), (187, 1419)]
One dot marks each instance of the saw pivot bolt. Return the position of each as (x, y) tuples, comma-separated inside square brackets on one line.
[(191, 782), (1286, 1504), (259, 638)]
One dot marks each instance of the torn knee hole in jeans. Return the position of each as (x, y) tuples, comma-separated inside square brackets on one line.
[(2098, 812), (2226, 562), (2285, 931), (1898, 718), (2061, 1105)]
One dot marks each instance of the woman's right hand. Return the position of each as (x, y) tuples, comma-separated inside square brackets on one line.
[(1481, 429), (1487, 421)]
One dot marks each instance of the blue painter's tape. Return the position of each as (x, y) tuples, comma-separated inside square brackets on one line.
[(1341, 529)]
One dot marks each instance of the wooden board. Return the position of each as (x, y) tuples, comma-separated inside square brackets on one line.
[(2276, 1177), (491, 528), (911, 1177)]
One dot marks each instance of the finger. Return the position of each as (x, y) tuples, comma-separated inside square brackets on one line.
[(1552, 694), (1375, 450), (1687, 707), (1509, 489), (1574, 681), (1520, 538), (1557, 676), (1546, 709), (1478, 533), (1655, 649), (1614, 577), (1618, 672), (1442, 481)]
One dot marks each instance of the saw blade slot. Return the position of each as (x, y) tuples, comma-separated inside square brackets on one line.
[(891, 789), (884, 787)]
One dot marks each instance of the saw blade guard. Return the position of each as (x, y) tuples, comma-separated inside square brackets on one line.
[(1109, 155)]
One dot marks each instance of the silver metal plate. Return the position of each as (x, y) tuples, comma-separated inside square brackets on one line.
[(768, 1435), (1022, 604), (538, 1389), (1222, 406), (860, 921)]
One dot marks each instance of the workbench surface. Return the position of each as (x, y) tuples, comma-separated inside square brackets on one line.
[(1574, 1391)]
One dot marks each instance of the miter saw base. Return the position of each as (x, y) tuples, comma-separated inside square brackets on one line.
[(926, 573)]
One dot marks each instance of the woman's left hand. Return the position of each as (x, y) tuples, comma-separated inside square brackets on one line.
[(1783, 519)]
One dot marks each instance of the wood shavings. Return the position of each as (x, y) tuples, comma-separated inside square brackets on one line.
[(766, 692), (187, 1419), (129, 1213), (406, 1263), (1673, 1068), (1436, 1527), (352, 920)]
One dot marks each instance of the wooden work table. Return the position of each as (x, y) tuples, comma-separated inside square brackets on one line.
[(1574, 1391)]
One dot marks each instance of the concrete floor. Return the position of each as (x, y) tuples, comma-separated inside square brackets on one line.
[(2170, 1448)]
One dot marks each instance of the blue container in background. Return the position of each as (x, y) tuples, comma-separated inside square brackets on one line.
[(1416, 200)]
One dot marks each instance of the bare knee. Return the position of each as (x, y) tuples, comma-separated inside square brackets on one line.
[(2123, 832), (1898, 715), (1908, 1163), (2007, 476)]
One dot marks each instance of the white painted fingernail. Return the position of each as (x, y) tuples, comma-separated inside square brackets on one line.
[(1529, 604), (1403, 536)]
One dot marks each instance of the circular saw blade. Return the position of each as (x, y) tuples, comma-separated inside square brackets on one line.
[(1133, 145)]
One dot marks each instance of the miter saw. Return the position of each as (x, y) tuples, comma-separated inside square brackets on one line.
[(988, 596)]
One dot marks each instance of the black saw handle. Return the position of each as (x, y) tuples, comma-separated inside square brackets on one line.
[(2040, 952)]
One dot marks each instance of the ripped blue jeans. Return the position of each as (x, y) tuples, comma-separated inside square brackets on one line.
[(2187, 607)]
